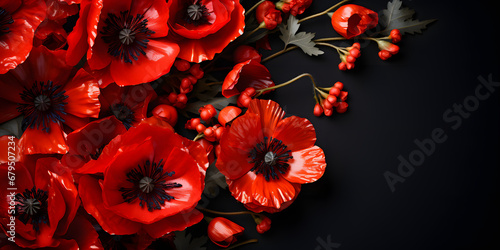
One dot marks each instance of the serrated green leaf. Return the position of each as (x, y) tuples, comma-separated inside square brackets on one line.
[(303, 40), (396, 17)]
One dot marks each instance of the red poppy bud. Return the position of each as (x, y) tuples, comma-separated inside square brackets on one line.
[(264, 225), (267, 13), (342, 108), (244, 53), (294, 7), (384, 54), (228, 114), (166, 113), (353, 20), (223, 232)]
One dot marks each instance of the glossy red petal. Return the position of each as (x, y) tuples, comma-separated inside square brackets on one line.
[(223, 232), (241, 188), (272, 193), (8, 144), (17, 44), (257, 208), (57, 10), (102, 76), (84, 32), (244, 75), (9, 110), (307, 165), (198, 50), (296, 133), (44, 65), (160, 56), (270, 114), (74, 122), (83, 95), (177, 222), (22, 180), (11, 5), (91, 195), (56, 210), (157, 14), (236, 144), (35, 141)]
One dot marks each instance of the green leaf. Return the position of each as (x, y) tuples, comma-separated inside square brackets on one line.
[(183, 241), (396, 17), (303, 40)]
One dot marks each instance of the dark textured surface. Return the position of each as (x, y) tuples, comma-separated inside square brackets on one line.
[(448, 202)]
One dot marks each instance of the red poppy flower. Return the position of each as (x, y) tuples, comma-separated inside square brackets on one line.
[(147, 184), (223, 232), (60, 10), (128, 104), (44, 206), (49, 94), (50, 34), (244, 75), (294, 7), (18, 22), (266, 158), (352, 20), (127, 38), (203, 28)]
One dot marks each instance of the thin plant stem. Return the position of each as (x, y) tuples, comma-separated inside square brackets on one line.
[(242, 243), (323, 12), (253, 7)]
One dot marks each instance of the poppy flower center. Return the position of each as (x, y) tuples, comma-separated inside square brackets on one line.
[(197, 13), (270, 157), (31, 207), (123, 113), (149, 185), (126, 35), (5, 20), (43, 103)]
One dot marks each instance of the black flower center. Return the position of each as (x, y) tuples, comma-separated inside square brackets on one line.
[(123, 113), (43, 103), (126, 35), (149, 185), (5, 20), (31, 207), (197, 13), (270, 157)]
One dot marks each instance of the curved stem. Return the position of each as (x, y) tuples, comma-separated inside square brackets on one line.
[(287, 82), (253, 7), (223, 213), (323, 12), (199, 136), (278, 53), (339, 50), (242, 243), (261, 26)]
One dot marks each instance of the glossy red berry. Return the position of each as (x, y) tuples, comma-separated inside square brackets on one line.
[(338, 85), (395, 35), (318, 110), (264, 225), (355, 52), (331, 99), (334, 91), (384, 54), (166, 113), (207, 112), (327, 104), (342, 66), (342, 108), (196, 71), (328, 112)]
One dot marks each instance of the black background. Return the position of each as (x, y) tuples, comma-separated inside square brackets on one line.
[(448, 202)]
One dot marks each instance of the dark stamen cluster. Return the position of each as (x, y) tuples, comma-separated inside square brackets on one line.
[(123, 113), (31, 207), (196, 13), (270, 157), (43, 103), (149, 185), (126, 35), (5, 19)]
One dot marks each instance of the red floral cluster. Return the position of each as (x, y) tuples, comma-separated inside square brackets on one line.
[(97, 88)]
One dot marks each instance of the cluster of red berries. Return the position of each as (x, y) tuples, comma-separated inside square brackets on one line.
[(348, 59), (195, 73), (387, 49), (263, 225), (246, 96), (335, 98), (210, 133)]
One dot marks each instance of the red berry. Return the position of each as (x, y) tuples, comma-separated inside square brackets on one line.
[(196, 71), (334, 91), (185, 83), (350, 65), (395, 35), (182, 65), (327, 104), (208, 132), (342, 108), (218, 132), (328, 112), (264, 225), (244, 100), (350, 59), (207, 112), (342, 66), (338, 85), (172, 98), (384, 54), (393, 49), (343, 95), (166, 113), (200, 128), (182, 98), (318, 110), (355, 52), (250, 91), (356, 45), (332, 99)]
